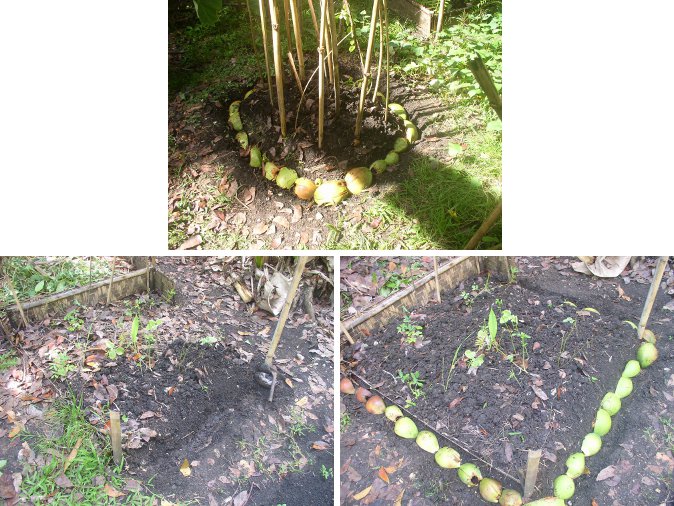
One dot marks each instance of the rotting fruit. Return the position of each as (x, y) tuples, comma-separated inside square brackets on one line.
[(406, 428), (346, 386), (255, 157), (510, 497), (378, 166), (632, 368), (427, 441), (648, 336), (575, 465), (611, 403), (591, 444), (242, 139), (393, 412), (401, 144), (375, 405), (602, 423), (469, 474), (647, 354), (358, 179), (564, 487), (331, 193), (305, 188), (271, 170), (362, 394), (547, 501), (490, 490), (624, 387), (448, 458)]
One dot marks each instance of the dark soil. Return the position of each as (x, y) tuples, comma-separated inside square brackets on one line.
[(500, 412)]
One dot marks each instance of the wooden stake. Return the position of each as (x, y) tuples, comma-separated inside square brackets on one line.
[(313, 19), (381, 56), (265, 44), (437, 279), (16, 300), (299, 269), (366, 70), (286, 20), (116, 437), (652, 293), (252, 28), (483, 78), (385, 3), (278, 63), (297, 26), (321, 77), (484, 228), (334, 53), (441, 12), (346, 334), (533, 461), (112, 276), (294, 71)]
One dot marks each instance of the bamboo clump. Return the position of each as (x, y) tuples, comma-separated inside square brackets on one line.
[(366, 70)]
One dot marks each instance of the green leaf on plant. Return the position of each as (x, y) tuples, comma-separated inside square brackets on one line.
[(454, 149), (207, 10), (493, 325), (494, 126), (630, 324), (208, 340), (39, 286), (3, 463), (134, 329), (591, 310)]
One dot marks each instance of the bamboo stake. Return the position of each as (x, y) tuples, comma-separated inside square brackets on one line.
[(112, 276), (321, 77), (265, 44), (345, 4), (291, 60), (476, 66), (286, 20), (116, 437), (484, 228), (346, 334), (252, 29), (334, 53), (381, 56), (297, 26), (652, 293), (441, 12), (278, 67), (299, 269), (313, 19), (366, 71), (328, 50), (17, 301), (437, 279), (385, 2)]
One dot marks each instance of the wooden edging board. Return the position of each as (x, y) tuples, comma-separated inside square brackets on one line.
[(122, 286), (423, 17), (421, 291)]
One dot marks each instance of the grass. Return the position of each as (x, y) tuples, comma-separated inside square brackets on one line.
[(8, 360), (90, 471)]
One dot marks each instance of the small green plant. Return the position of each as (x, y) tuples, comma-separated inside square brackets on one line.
[(73, 320), (326, 472), (565, 336), (411, 331), (345, 420), (114, 351), (60, 365), (298, 425), (512, 274), (8, 360), (414, 382), (169, 296), (474, 360), (208, 341)]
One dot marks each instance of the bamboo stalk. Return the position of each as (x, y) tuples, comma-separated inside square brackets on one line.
[(265, 44), (346, 334), (385, 3), (366, 71), (321, 77), (328, 44), (381, 56), (116, 437), (299, 269), (652, 293), (17, 301), (252, 28), (112, 276), (286, 20), (294, 71), (441, 12), (278, 65), (297, 27), (334, 53), (484, 228), (313, 19)]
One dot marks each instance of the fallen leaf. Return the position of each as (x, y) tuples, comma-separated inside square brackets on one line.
[(360, 495), (455, 402), (399, 499), (606, 473), (185, 468), (539, 393), (15, 430), (147, 414), (383, 474), (63, 481), (241, 498), (72, 455), (289, 383), (260, 228), (112, 492), (192, 242), (297, 213), (320, 445), (281, 221), (302, 402)]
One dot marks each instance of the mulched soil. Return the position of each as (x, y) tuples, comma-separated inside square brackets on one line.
[(204, 142), (200, 402), (498, 412)]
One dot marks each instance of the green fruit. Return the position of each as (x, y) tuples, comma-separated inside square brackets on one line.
[(242, 138), (632, 368), (358, 179), (411, 132), (448, 458), (286, 178), (331, 193), (427, 441), (591, 444), (602, 424), (255, 157), (398, 110), (401, 144), (648, 336), (235, 121), (575, 464), (547, 501), (392, 158), (490, 490), (624, 387), (393, 412), (510, 497), (405, 427), (378, 166), (249, 93), (647, 354), (611, 403), (305, 188), (469, 474), (271, 170), (234, 107), (564, 487)]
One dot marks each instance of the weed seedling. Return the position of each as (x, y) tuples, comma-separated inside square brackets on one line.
[(60, 365), (73, 320), (411, 331), (344, 420), (8, 360), (208, 341), (414, 382), (326, 472)]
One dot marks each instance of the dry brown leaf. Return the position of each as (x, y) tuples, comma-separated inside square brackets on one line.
[(147, 414), (391, 469), (192, 242), (302, 402), (320, 445), (297, 213), (241, 498), (281, 221), (185, 468), (63, 481), (289, 383), (539, 393), (15, 430), (72, 455), (455, 402), (383, 474), (111, 491), (360, 495), (276, 243), (606, 473), (399, 499), (248, 195), (260, 228)]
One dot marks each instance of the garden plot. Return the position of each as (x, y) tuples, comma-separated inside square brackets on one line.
[(196, 426), (561, 344)]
